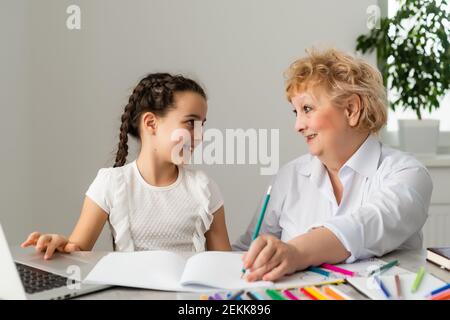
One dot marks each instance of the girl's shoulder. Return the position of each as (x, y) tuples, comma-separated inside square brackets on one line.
[(110, 174), (107, 188), (206, 188)]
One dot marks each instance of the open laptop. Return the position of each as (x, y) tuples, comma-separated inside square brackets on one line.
[(29, 276)]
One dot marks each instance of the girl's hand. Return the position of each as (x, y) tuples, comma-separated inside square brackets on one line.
[(269, 258), (49, 243)]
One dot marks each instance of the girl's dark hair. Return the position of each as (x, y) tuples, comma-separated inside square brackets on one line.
[(154, 93)]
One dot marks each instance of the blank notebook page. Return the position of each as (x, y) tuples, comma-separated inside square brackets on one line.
[(218, 270), (142, 269)]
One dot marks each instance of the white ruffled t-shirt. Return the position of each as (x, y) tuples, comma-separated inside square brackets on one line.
[(145, 217)]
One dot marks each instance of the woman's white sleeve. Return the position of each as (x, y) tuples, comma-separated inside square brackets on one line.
[(393, 213), (100, 190)]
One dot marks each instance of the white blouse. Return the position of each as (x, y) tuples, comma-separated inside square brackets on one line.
[(384, 204), (145, 217)]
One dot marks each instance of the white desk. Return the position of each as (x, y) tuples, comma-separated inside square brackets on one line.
[(410, 260)]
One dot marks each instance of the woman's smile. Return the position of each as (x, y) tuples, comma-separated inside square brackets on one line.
[(310, 137)]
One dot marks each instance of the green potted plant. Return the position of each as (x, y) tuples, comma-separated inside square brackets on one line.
[(413, 54)]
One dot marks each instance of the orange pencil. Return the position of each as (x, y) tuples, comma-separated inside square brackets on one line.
[(335, 293)]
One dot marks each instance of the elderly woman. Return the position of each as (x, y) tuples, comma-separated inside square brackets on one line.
[(351, 197)]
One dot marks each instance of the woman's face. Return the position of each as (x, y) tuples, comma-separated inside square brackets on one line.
[(324, 126)]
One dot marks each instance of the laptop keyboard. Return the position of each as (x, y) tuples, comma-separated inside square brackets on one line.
[(35, 280)]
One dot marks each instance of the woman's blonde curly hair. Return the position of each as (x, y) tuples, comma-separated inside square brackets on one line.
[(341, 75)]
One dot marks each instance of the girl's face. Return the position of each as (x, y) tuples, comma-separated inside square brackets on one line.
[(324, 126), (174, 136)]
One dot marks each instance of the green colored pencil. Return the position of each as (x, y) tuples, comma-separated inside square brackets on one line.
[(384, 267), (274, 294), (418, 279), (261, 218)]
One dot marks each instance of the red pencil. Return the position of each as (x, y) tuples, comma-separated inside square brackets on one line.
[(306, 293)]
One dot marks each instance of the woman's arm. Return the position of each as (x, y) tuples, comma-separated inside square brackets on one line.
[(394, 212), (318, 246), (217, 235), (83, 237), (270, 258)]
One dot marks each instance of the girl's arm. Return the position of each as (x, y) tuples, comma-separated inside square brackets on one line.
[(83, 237), (217, 235), (89, 225)]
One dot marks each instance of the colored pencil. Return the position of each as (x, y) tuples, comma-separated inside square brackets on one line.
[(319, 271), (438, 290), (335, 293), (445, 295), (384, 267), (258, 296), (260, 220), (418, 280), (289, 294), (338, 269), (236, 296), (314, 291), (274, 294), (398, 286), (337, 281), (251, 295), (306, 293), (382, 287)]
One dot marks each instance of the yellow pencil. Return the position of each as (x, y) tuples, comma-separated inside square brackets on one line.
[(337, 281), (315, 292)]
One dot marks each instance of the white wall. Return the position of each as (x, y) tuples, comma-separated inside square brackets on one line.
[(63, 91), (16, 203)]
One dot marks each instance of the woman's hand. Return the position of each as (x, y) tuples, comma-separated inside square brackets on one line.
[(269, 258), (49, 243)]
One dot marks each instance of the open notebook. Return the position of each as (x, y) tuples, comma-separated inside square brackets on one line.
[(205, 271), (165, 270)]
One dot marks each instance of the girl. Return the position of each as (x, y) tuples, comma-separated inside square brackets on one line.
[(154, 202), (351, 197)]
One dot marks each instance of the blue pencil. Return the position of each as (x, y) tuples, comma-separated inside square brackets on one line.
[(383, 287), (235, 296), (438, 290), (319, 271)]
